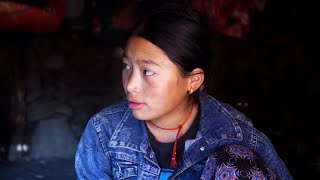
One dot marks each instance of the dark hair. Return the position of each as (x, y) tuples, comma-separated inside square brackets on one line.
[(180, 33)]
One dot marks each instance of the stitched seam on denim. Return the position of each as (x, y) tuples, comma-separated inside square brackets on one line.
[(113, 111), (124, 156), (120, 172), (117, 130), (97, 126), (126, 147), (240, 117), (119, 107), (133, 159), (150, 169), (152, 162), (254, 139)]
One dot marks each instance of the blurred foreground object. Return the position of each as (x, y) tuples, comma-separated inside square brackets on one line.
[(229, 17), (20, 17)]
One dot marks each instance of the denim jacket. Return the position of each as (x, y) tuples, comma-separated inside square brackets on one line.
[(115, 145)]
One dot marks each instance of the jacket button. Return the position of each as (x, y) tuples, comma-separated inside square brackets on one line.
[(202, 148), (151, 155)]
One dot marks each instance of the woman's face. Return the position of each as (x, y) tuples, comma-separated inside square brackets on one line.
[(153, 85)]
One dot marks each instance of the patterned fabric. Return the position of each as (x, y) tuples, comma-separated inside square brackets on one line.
[(236, 162)]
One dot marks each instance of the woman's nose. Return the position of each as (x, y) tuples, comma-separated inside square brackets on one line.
[(132, 81)]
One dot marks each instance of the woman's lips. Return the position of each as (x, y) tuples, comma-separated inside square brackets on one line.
[(135, 106)]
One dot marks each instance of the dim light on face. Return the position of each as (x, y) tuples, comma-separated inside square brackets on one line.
[(153, 84)]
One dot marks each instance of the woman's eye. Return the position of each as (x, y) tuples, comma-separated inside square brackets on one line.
[(126, 66), (148, 72)]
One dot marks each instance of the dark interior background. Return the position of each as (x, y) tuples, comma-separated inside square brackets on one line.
[(272, 75)]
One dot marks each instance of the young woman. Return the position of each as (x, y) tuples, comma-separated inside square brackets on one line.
[(168, 128)]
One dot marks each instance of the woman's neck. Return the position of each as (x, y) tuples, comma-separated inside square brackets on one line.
[(166, 136)]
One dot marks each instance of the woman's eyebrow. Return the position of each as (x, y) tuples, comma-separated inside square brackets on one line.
[(142, 61), (149, 61)]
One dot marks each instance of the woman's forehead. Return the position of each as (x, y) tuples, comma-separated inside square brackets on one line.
[(140, 49)]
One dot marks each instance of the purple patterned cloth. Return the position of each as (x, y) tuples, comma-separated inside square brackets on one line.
[(236, 162)]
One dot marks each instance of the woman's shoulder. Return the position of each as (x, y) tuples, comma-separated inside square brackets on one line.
[(236, 114), (236, 162), (117, 107), (111, 114), (224, 107)]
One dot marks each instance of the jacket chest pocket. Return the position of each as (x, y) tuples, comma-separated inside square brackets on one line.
[(125, 170), (124, 165)]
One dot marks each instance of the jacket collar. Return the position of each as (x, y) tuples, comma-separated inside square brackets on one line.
[(130, 133), (216, 124)]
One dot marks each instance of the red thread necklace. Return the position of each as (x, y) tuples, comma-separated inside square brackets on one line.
[(174, 163)]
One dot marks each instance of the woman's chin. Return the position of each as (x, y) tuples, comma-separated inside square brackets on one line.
[(139, 115)]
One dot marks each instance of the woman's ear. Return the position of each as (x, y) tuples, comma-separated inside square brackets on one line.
[(196, 79)]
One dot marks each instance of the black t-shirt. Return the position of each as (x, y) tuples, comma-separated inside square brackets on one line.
[(163, 151)]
